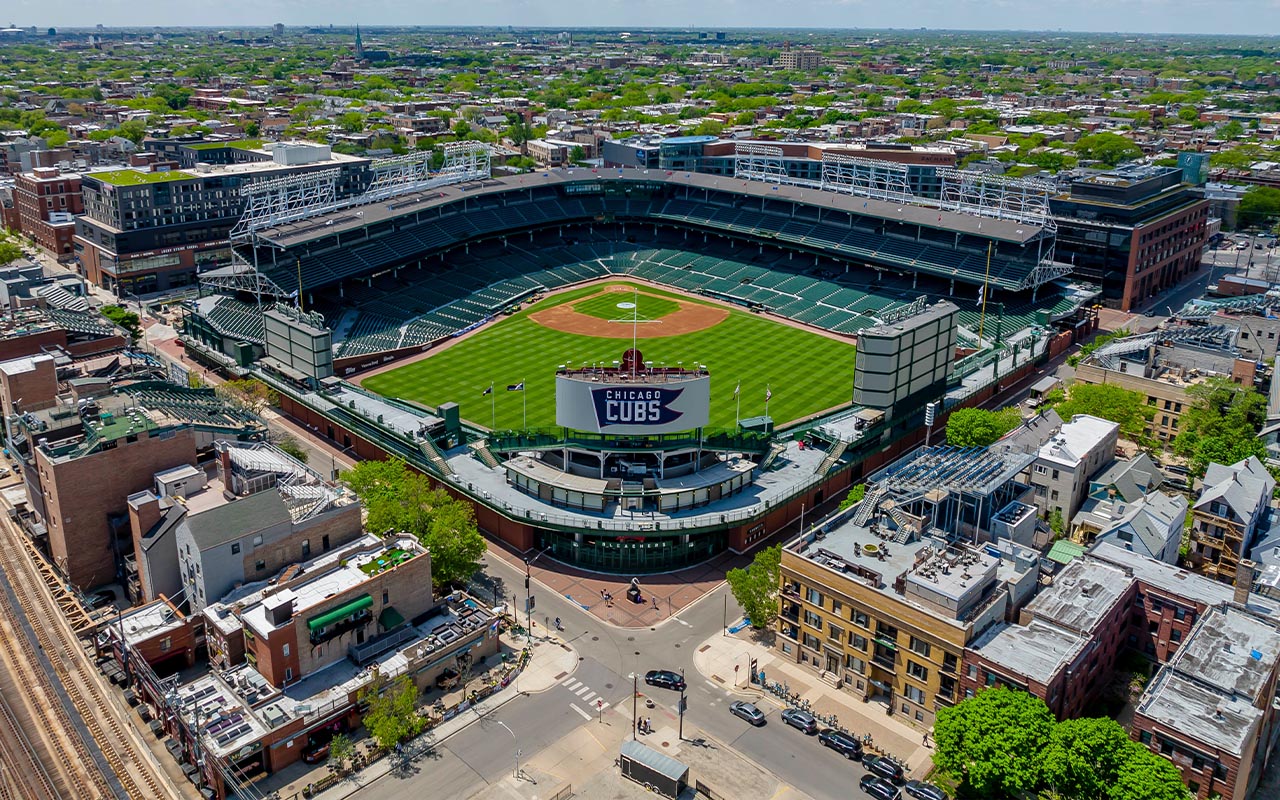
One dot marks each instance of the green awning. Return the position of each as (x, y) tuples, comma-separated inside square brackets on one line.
[(341, 612), (390, 618), (1065, 551)]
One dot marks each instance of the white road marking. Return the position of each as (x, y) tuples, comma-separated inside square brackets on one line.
[(682, 622), (584, 714), (712, 684), (588, 697), (571, 683), (582, 690)]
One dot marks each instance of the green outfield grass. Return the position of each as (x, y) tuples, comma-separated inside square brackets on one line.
[(605, 306), (807, 372)]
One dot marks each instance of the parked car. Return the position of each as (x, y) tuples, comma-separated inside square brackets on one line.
[(889, 770), (844, 744), (923, 791), (878, 788), (665, 679), (747, 711), (800, 720)]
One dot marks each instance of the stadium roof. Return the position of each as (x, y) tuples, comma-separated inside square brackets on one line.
[(348, 219)]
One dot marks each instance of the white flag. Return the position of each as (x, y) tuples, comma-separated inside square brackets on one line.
[(737, 389), (982, 293), (768, 395)]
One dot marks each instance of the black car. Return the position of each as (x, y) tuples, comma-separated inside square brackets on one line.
[(101, 599), (665, 679), (919, 790), (800, 720), (889, 770), (844, 744), (878, 788)]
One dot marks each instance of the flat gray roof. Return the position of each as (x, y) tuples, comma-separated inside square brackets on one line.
[(1194, 709), (353, 218), (1036, 651), (1081, 594)]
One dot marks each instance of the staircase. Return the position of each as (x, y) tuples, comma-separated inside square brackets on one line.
[(833, 455), (434, 455), (775, 450), (482, 452), (868, 505)]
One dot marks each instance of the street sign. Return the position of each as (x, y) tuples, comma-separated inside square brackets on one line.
[(529, 603)]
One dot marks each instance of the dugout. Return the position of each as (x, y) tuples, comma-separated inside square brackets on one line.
[(653, 770)]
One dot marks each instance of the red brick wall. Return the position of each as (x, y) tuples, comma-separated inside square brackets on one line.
[(96, 486)]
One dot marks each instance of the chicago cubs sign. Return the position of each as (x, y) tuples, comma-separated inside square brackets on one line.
[(609, 406)]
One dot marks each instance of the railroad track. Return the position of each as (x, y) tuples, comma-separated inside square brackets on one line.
[(29, 578), (25, 777)]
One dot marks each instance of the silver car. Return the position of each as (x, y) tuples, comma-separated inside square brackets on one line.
[(747, 711)]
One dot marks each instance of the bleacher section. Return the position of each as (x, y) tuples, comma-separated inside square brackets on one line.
[(418, 305), (232, 318), (964, 259)]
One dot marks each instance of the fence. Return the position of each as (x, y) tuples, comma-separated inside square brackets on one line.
[(564, 794)]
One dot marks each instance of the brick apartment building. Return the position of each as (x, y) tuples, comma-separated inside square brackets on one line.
[(1137, 231), (1209, 705), (47, 200)]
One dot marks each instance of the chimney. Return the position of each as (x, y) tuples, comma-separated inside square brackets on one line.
[(1244, 581), (144, 513)]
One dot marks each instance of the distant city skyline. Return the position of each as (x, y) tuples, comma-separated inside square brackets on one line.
[(1244, 17)]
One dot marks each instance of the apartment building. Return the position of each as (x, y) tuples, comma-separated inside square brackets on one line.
[(82, 461), (1136, 230), (152, 226), (1163, 365), (1233, 508), (1208, 707), (801, 60), (882, 599), (199, 533), (1065, 463), (47, 200)]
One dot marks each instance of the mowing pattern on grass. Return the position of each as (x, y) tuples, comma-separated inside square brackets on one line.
[(605, 306), (807, 372)]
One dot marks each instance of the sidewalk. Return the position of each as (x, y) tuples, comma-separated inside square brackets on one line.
[(551, 662), (718, 656)]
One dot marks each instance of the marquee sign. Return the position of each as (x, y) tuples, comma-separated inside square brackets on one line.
[(633, 408)]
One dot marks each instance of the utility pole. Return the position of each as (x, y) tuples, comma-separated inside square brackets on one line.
[(680, 733), (635, 700)]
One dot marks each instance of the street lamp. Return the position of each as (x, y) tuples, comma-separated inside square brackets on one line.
[(515, 741), (635, 700), (333, 460), (528, 596)]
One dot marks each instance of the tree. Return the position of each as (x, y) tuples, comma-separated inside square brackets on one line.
[(399, 499), (977, 427), (293, 447), (1188, 114), (854, 496), (1109, 148), (1083, 756), (1221, 426), (129, 320), (1056, 523), (453, 540), (991, 743), (9, 252), (577, 155), (134, 130), (756, 587), (1231, 131), (1109, 401), (341, 748), (1143, 775), (249, 394), (351, 121), (1259, 204), (392, 716), (1098, 341)]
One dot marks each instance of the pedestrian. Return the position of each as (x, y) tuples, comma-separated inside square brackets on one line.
[(648, 724), (926, 739), (655, 603), (640, 724)]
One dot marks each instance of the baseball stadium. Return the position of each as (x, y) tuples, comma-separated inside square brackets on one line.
[(635, 370)]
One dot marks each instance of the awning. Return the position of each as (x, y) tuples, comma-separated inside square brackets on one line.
[(341, 612), (390, 618)]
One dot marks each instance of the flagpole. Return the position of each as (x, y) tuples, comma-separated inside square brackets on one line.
[(737, 411), (982, 320), (493, 409), (524, 404), (768, 393)]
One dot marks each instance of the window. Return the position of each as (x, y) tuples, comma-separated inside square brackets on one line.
[(920, 647), (1175, 635), (947, 688), (385, 596), (284, 651), (835, 633), (919, 716), (1055, 474), (991, 679), (887, 632), (306, 548), (166, 643), (813, 596), (837, 607), (973, 672), (235, 548), (1041, 469), (855, 664), (260, 565), (812, 620), (1179, 614), (1053, 495), (858, 642), (860, 619), (914, 694), (811, 641), (257, 540), (916, 671), (950, 663), (288, 674)]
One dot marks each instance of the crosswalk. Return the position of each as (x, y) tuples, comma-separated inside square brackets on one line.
[(585, 694)]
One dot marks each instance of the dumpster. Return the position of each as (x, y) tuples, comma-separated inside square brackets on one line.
[(653, 770)]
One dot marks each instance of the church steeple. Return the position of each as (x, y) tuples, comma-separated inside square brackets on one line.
[(359, 45)]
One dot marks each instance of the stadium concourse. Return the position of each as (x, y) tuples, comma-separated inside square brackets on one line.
[(411, 275)]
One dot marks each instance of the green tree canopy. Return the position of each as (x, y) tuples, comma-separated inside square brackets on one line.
[(977, 427), (992, 742), (1222, 424), (1109, 148), (397, 498), (1106, 400), (9, 252), (756, 587), (392, 716), (1260, 204)]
